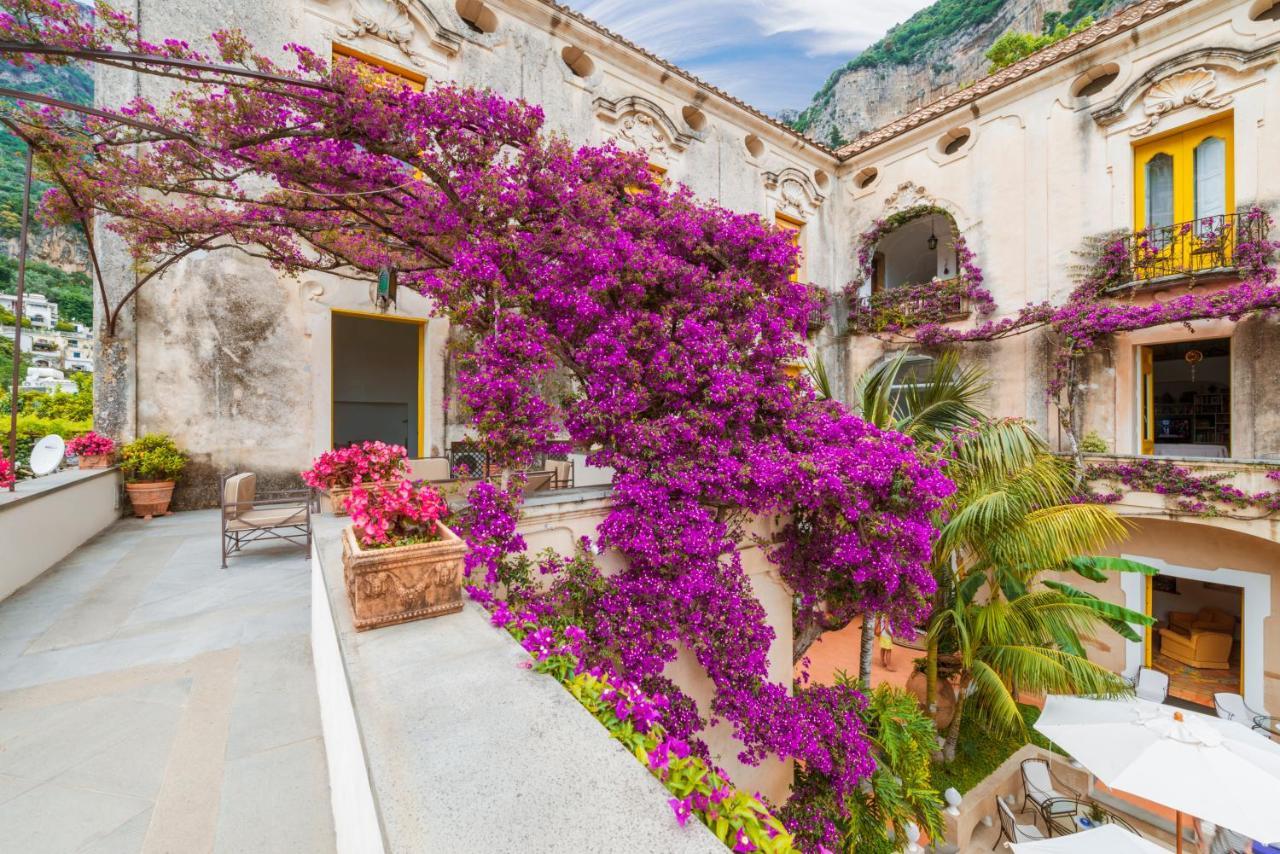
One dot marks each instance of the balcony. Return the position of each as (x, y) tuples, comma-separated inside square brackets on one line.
[(1208, 247), (908, 306)]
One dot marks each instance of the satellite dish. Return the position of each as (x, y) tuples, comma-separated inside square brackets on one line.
[(47, 454)]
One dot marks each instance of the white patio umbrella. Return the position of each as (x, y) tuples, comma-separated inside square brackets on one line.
[(1192, 763), (1107, 839)]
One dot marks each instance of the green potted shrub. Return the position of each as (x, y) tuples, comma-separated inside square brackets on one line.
[(152, 465)]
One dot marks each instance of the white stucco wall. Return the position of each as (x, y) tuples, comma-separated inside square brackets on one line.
[(47, 518)]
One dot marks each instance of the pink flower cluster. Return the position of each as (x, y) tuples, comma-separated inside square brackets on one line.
[(1199, 495), (409, 513), (8, 477), (91, 444), (368, 462)]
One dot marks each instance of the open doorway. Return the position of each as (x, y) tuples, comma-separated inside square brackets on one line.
[(377, 381), (1198, 637), (1186, 391)]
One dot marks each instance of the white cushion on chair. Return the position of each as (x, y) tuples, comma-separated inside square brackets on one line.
[(269, 517)]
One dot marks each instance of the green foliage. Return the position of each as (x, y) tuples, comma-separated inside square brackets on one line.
[(980, 752), (6, 366), (69, 82), (927, 408), (1014, 46), (152, 457), (901, 789), (73, 292), (33, 428), (1093, 443)]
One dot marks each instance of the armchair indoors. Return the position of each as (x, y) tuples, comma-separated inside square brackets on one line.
[(1207, 650), (1204, 620)]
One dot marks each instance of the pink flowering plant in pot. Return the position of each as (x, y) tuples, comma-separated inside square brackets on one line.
[(8, 477), (369, 463), (93, 449), (401, 561)]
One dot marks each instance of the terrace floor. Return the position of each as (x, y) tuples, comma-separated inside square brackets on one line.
[(151, 702)]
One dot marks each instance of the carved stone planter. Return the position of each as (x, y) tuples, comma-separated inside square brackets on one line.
[(402, 583), (95, 461)]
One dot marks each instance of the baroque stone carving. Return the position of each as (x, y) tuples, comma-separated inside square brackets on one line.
[(794, 191), (1193, 87), (641, 125), (386, 19), (396, 585), (908, 195)]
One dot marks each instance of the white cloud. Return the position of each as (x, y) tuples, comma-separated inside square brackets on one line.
[(833, 26)]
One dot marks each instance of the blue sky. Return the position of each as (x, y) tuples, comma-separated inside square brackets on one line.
[(770, 53)]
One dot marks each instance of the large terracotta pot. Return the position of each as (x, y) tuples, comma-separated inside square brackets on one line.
[(946, 698), (402, 583), (95, 461), (150, 498)]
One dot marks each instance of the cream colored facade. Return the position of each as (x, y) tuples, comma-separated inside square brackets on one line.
[(238, 364)]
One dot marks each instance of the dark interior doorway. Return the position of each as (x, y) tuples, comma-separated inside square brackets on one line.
[(1191, 398), (377, 381)]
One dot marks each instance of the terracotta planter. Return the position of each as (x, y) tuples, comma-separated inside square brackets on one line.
[(402, 583), (336, 496), (150, 498), (95, 461)]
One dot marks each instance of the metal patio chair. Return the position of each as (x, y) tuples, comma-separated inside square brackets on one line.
[(250, 518)]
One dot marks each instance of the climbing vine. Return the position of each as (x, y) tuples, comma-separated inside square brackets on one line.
[(894, 310)]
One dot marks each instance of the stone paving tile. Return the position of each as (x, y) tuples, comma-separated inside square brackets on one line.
[(150, 701)]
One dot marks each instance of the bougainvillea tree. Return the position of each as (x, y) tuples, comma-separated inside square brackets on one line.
[(666, 324)]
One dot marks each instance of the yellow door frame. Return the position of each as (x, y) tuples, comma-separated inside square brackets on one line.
[(1147, 399), (795, 229), (1148, 608), (421, 323)]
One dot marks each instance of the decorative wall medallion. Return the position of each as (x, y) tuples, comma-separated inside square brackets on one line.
[(641, 125), (908, 195), (386, 19), (794, 191), (1193, 87)]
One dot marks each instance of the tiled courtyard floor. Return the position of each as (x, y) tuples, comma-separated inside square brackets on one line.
[(151, 702)]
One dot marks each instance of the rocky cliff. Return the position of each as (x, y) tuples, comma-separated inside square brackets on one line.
[(935, 52)]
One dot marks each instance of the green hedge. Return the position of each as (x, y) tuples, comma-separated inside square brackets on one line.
[(978, 753)]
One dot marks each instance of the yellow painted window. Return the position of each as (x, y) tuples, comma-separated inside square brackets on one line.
[(1185, 176), (379, 72), (795, 230)]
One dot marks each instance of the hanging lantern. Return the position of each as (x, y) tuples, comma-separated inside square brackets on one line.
[(1193, 357), (933, 238)]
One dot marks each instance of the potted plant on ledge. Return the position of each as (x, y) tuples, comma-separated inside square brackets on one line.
[(400, 561), (152, 465), (376, 465), (93, 450)]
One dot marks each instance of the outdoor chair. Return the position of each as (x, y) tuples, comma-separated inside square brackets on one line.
[(1151, 684), (1037, 785), (1011, 830), (538, 481), (1231, 707), (250, 518), (563, 471)]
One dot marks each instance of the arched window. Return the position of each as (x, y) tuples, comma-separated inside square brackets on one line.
[(916, 371), (916, 252)]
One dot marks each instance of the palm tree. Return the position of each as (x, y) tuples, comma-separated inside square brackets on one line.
[(1013, 517), (928, 408)]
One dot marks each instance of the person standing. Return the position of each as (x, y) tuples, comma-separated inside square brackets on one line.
[(885, 634)]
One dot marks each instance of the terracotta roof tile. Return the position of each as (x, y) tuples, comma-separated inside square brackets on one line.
[(1121, 22)]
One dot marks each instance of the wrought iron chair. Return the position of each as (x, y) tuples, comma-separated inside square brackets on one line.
[(1011, 830), (1038, 785), (248, 518), (1231, 707), (1151, 684)]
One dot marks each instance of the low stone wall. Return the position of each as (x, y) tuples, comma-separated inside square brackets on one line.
[(438, 739), (47, 518)]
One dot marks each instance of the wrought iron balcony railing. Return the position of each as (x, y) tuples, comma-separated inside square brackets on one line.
[(907, 306), (1205, 246)]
